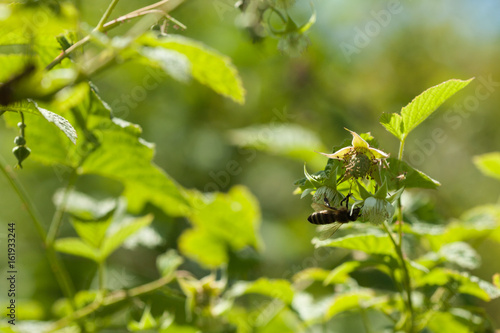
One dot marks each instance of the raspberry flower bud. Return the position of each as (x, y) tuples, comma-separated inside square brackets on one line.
[(376, 210)]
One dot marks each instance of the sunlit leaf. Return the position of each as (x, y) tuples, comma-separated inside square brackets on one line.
[(203, 248), (348, 301), (280, 289), (461, 281), (281, 139), (112, 242), (221, 221), (77, 247), (173, 63), (369, 243), (403, 174), (393, 122), (447, 322), (461, 254), (311, 274), (33, 108), (207, 66), (427, 102), (168, 262), (489, 164), (147, 322)]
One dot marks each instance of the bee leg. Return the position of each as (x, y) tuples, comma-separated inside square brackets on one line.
[(346, 199), (327, 203)]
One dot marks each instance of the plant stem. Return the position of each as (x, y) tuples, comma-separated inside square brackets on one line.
[(111, 298), (406, 278), (58, 269), (106, 15), (111, 24)]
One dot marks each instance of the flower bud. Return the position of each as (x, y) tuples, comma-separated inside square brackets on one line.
[(377, 210)]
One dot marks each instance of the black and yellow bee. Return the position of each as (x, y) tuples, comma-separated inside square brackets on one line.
[(334, 216)]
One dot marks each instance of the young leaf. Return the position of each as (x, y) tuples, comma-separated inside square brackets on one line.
[(489, 164), (31, 107), (427, 102), (369, 243), (175, 64), (203, 248), (77, 247), (226, 220), (311, 274), (280, 289), (447, 322), (402, 174), (461, 254), (114, 241), (393, 123), (207, 66), (466, 283), (168, 262), (348, 301)]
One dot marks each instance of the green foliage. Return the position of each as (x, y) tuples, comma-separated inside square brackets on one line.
[(215, 230), (489, 164), (205, 65), (400, 125), (425, 267)]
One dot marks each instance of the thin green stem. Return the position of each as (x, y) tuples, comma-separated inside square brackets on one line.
[(112, 298), (401, 149), (58, 269), (106, 15), (406, 278), (23, 196), (112, 24)]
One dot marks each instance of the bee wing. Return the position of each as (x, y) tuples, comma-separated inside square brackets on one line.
[(328, 231), (318, 207)]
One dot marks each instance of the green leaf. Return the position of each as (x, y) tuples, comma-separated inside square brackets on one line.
[(33, 108), (311, 274), (402, 174), (35, 26), (447, 322), (348, 301), (207, 66), (203, 247), (173, 63), (168, 262), (147, 322), (221, 221), (340, 274), (489, 164), (461, 254), (278, 289), (461, 281), (369, 243), (427, 102), (124, 156), (77, 247), (393, 122), (111, 243), (281, 139)]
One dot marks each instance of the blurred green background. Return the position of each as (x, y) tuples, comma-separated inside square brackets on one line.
[(294, 104)]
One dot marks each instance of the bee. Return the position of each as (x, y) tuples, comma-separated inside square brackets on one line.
[(334, 216)]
